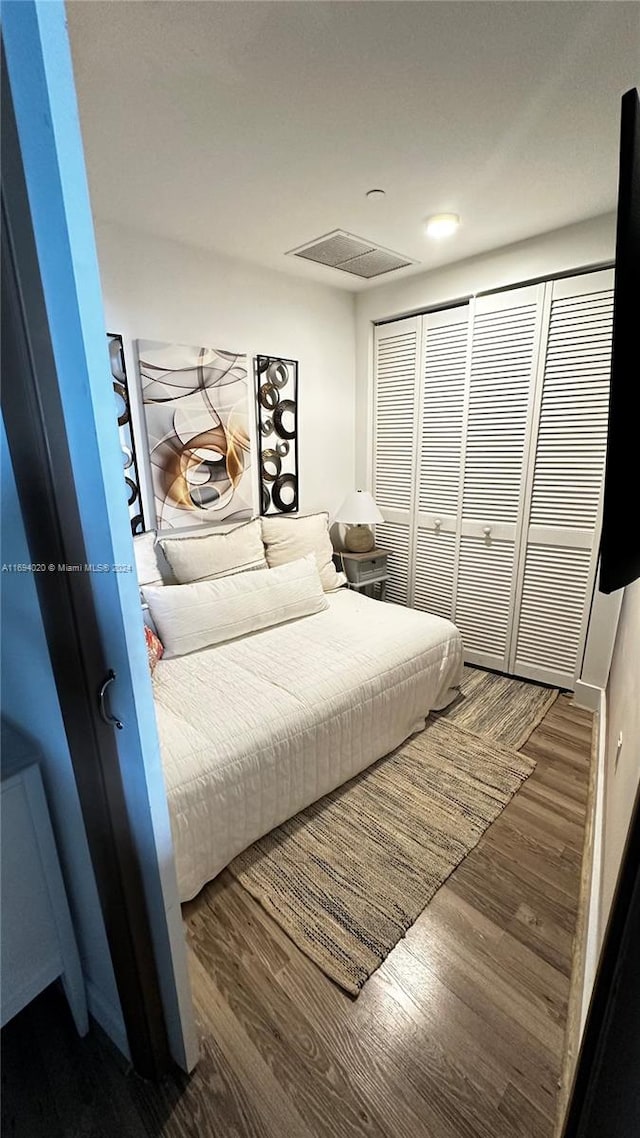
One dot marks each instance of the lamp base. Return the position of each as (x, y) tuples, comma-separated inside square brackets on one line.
[(359, 539)]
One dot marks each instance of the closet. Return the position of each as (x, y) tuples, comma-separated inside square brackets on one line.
[(489, 441)]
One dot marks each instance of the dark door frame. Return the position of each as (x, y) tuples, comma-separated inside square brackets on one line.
[(36, 433)]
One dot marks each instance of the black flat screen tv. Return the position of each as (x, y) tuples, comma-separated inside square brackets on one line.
[(620, 539)]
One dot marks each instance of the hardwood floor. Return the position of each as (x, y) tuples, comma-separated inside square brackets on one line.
[(460, 1033)]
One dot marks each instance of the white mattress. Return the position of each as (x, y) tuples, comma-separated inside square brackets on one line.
[(254, 730)]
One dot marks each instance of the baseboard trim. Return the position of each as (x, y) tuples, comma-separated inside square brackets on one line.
[(109, 1018), (586, 945), (587, 695), (593, 938)]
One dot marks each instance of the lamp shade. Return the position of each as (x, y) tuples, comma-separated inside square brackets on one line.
[(359, 509)]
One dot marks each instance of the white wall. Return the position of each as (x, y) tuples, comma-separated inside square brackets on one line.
[(622, 770), (160, 290), (588, 243), (617, 779)]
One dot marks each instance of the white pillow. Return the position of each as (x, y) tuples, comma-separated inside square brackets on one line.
[(215, 554), (286, 539), (190, 617), (144, 552)]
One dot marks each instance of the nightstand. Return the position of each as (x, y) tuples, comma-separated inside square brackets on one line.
[(364, 570)]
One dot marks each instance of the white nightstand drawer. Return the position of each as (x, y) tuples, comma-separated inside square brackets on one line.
[(372, 569), (364, 568)]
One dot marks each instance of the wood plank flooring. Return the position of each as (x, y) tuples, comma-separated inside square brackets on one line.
[(460, 1034)]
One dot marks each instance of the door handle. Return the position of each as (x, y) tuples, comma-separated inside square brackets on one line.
[(487, 531), (109, 719)]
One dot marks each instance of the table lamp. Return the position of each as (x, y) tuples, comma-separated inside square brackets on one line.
[(359, 512)]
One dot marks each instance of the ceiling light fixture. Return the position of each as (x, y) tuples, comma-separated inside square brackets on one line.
[(374, 195), (442, 225)]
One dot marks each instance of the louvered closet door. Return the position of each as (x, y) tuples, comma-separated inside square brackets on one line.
[(504, 349), (396, 349), (443, 366), (560, 548), (394, 537)]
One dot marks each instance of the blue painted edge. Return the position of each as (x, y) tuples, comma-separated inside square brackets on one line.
[(41, 78)]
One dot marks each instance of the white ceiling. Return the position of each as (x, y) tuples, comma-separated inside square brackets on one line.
[(253, 127)]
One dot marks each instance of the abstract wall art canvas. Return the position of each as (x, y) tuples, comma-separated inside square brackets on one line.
[(196, 410), (277, 411)]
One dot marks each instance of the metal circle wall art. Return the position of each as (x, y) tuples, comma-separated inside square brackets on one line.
[(271, 465), (277, 411), (269, 396), (285, 493), (127, 440), (285, 407)]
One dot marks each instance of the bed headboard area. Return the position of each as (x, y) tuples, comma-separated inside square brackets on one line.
[(226, 551)]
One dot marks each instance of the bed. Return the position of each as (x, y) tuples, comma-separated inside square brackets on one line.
[(255, 729)]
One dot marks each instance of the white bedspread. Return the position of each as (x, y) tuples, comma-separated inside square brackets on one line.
[(254, 730)]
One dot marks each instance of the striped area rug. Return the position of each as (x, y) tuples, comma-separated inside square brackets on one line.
[(498, 707), (348, 876)]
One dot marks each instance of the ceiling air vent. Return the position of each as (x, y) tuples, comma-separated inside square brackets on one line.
[(340, 250)]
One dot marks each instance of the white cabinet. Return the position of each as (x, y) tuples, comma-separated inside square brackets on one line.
[(397, 349), (566, 467), (393, 538), (395, 445), (489, 440), (442, 380), (503, 353), (38, 943)]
